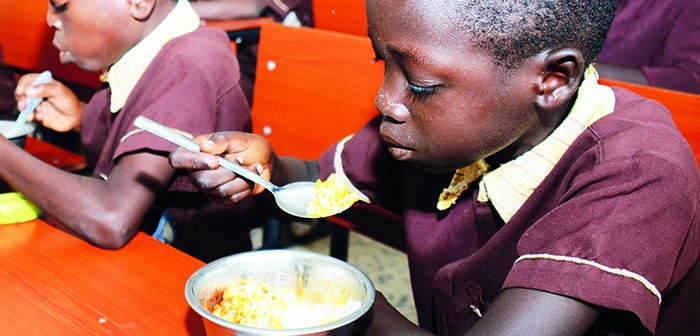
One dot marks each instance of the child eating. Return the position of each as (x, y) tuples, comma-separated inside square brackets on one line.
[(158, 62), (535, 201)]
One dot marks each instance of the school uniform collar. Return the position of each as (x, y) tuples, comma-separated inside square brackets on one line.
[(511, 184), (127, 71)]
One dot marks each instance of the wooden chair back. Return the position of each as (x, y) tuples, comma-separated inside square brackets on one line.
[(312, 88), (346, 16), (26, 42), (684, 107)]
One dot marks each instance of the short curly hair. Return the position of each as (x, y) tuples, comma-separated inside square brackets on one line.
[(513, 30)]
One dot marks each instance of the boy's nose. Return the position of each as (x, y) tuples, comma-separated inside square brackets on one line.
[(388, 107), (52, 20)]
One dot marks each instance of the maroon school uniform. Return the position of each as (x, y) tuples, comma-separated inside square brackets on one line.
[(191, 85), (247, 52), (662, 38), (615, 224)]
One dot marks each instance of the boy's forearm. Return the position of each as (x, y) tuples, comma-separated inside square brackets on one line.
[(383, 319)]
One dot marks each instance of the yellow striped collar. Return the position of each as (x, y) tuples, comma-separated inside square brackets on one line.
[(126, 72), (510, 185)]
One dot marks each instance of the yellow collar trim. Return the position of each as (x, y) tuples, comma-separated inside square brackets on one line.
[(511, 184), (461, 180), (338, 165), (127, 71)]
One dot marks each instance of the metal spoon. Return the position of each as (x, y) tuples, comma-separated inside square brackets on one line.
[(292, 198), (32, 104)]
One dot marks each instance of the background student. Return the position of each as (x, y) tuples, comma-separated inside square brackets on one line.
[(161, 63), (654, 42)]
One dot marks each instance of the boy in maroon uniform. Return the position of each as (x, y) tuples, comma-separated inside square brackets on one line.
[(654, 42), (159, 62), (535, 201)]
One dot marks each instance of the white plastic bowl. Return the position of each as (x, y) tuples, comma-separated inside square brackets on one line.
[(6, 126)]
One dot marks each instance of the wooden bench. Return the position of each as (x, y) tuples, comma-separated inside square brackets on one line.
[(313, 88), (345, 16)]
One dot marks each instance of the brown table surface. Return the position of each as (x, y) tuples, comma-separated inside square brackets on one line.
[(56, 284)]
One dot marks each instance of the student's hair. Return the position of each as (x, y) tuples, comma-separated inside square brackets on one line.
[(513, 30)]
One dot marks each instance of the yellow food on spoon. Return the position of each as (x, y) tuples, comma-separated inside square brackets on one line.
[(331, 196)]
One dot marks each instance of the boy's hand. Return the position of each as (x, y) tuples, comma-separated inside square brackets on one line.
[(250, 150), (61, 110)]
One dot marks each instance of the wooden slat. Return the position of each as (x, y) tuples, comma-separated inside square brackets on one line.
[(346, 16), (26, 42), (312, 88), (684, 107)]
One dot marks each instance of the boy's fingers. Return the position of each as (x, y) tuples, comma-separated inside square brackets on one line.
[(184, 159)]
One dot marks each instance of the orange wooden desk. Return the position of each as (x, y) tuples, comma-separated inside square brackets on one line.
[(56, 284), (239, 24), (54, 155)]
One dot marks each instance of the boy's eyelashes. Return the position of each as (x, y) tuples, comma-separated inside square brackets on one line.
[(59, 8), (421, 90)]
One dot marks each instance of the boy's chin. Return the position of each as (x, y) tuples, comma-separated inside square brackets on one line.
[(87, 66), (66, 57), (431, 168)]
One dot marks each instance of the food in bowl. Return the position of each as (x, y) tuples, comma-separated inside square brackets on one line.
[(256, 304), (298, 285), (331, 196), (19, 139)]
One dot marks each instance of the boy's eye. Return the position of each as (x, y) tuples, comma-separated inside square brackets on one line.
[(421, 90), (59, 8)]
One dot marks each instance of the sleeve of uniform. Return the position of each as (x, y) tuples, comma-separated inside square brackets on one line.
[(624, 235), (679, 59), (192, 86)]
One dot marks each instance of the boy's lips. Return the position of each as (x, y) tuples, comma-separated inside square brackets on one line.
[(397, 151), (65, 56)]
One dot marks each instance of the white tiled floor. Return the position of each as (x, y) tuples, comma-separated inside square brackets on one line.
[(387, 267)]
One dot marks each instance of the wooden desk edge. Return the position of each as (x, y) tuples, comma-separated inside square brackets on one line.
[(233, 25), (54, 155)]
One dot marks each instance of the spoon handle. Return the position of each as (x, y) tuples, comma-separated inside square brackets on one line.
[(32, 104), (187, 143)]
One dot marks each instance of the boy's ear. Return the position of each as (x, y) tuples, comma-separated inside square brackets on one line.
[(560, 76), (141, 9)]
